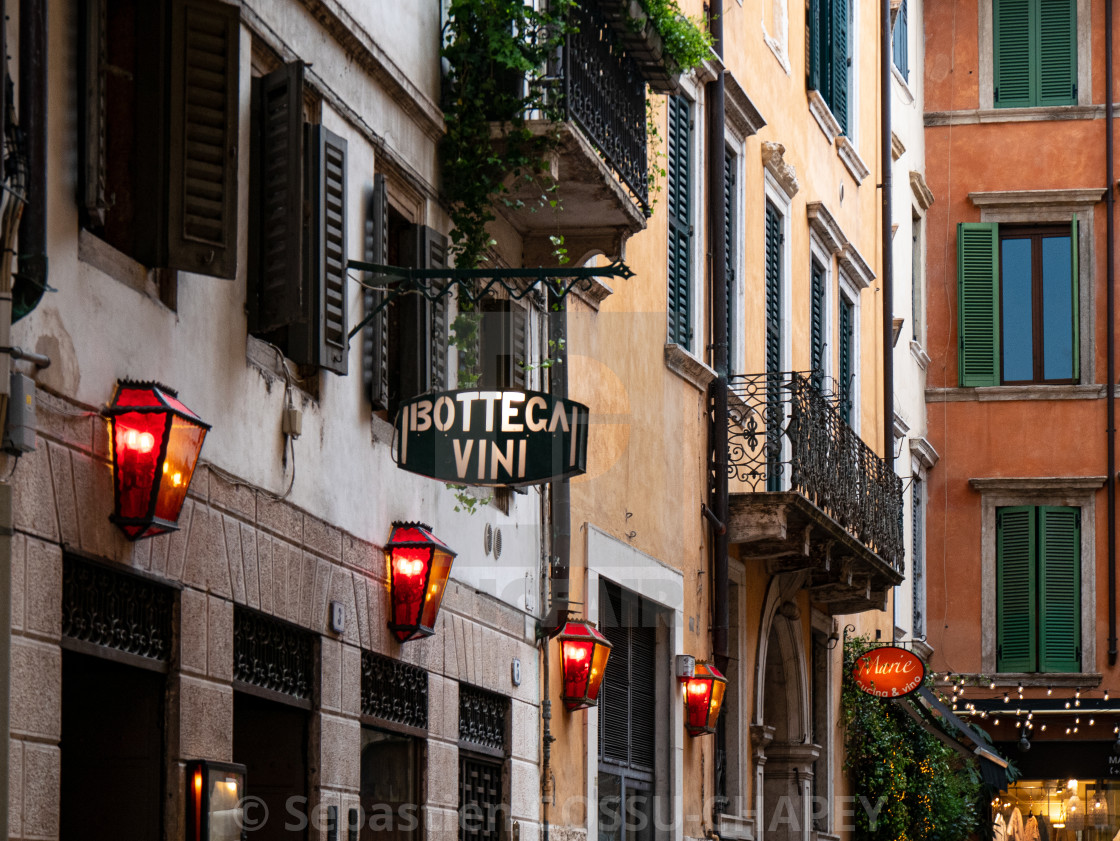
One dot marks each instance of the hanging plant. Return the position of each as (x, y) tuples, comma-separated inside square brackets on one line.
[(686, 42)]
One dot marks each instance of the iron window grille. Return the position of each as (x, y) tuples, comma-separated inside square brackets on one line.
[(483, 720), (273, 656), (394, 691)]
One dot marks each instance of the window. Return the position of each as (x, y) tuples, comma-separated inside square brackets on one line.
[(404, 348), (901, 51), (483, 746), (830, 55), (1018, 304), (1038, 581), (297, 206), (918, 558), (159, 128), (628, 731), (846, 366), (1035, 52), (680, 222)]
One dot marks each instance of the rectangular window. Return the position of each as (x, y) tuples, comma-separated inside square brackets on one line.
[(628, 716), (1038, 589), (679, 167), (901, 47), (159, 125), (830, 55), (773, 246), (297, 207), (484, 738), (918, 558), (1018, 304), (846, 369), (1035, 52)]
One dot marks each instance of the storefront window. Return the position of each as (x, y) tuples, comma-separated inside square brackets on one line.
[(1066, 809)]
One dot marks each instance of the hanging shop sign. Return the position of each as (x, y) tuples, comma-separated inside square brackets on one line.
[(473, 437), (889, 672)]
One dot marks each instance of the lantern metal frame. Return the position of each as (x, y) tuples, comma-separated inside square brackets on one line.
[(406, 631), (704, 673), (165, 402), (583, 631), (200, 817)]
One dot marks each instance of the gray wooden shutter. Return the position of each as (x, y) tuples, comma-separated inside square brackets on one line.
[(1059, 589), (502, 344), (436, 258), (1016, 595), (423, 323), (92, 103), (1012, 52), (375, 335), (643, 688), (276, 283), (203, 127), (1057, 52), (614, 693), (978, 303), (329, 254)]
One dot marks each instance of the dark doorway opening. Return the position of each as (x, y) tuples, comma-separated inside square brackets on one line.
[(270, 740)]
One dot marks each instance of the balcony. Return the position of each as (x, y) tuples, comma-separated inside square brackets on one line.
[(600, 162), (807, 494)]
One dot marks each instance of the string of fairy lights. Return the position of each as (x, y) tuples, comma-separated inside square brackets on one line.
[(1079, 714)]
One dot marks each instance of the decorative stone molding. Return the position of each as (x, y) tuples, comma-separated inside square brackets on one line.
[(823, 115), (1013, 115), (593, 292), (743, 118), (920, 355), (1075, 199), (1014, 392), (777, 166), (851, 159), (922, 193), (923, 450), (898, 149), (688, 367), (824, 225), (855, 267), (1037, 484)]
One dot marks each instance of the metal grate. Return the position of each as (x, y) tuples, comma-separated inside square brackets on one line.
[(116, 610), (480, 799), (483, 718), (271, 654), (394, 691)]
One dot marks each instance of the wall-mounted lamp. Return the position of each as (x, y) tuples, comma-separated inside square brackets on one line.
[(584, 652), (155, 443), (419, 566), (703, 697), (214, 794)]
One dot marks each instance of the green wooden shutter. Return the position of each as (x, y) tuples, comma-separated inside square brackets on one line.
[(1056, 64), (846, 368), (203, 132), (1016, 594), (1059, 573), (901, 46), (978, 303), (773, 257), (680, 222), (375, 335), (729, 253), (1012, 53), (329, 250), (816, 322), (1075, 297), (815, 59), (839, 64)]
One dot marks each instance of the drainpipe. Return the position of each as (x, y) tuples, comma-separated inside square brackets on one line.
[(1110, 283), (888, 253), (560, 527)]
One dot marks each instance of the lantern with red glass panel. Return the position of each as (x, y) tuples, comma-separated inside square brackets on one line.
[(155, 442), (703, 697), (419, 565), (583, 654)]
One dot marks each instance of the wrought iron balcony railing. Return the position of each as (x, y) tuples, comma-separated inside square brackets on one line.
[(605, 95), (787, 434)]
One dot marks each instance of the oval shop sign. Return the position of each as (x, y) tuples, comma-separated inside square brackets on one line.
[(889, 672)]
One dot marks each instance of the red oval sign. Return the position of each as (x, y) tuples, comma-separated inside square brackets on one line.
[(889, 672)]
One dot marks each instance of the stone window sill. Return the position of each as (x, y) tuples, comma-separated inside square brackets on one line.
[(986, 394), (682, 363)]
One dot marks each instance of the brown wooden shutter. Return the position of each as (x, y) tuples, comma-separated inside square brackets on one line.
[(92, 103), (329, 252), (203, 130), (375, 335), (276, 254)]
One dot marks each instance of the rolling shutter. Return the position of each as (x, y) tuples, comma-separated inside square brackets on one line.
[(680, 222), (1059, 575), (375, 335), (1016, 598), (203, 130), (276, 297), (329, 251), (1057, 52), (977, 303)]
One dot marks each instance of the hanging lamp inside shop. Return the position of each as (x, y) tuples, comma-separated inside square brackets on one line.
[(155, 442), (583, 652), (703, 697), (419, 566)]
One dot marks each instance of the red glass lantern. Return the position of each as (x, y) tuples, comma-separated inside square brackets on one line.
[(419, 565), (583, 653), (703, 697), (155, 442)]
